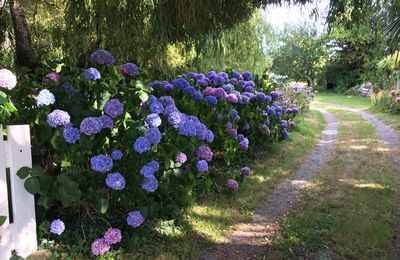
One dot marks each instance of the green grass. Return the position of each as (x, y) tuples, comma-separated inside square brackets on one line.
[(349, 210), (205, 222)]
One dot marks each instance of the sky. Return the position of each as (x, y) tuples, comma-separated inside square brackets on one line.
[(279, 16)]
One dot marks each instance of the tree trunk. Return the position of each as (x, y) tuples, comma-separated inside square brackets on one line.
[(22, 37)]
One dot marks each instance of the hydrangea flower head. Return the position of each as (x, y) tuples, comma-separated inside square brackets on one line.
[(205, 153), (115, 181), (100, 247), (114, 108), (52, 76), (71, 134), (58, 118), (232, 98), (129, 69), (45, 98), (153, 120), (150, 183), (147, 171), (202, 166), (135, 219), (181, 158), (142, 144), (153, 135), (68, 86), (210, 100), (101, 163), (106, 122), (154, 164), (102, 57), (7, 79), (156, 107), (187, 129), (116, 155), (57, 227), (232, 185), (247, 75), (113, 236), (245, 171), (92, 73), (91, 125)]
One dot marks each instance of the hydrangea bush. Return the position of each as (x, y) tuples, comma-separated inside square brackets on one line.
[(109, 147)]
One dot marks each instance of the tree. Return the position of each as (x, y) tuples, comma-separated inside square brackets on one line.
[(299, 54)]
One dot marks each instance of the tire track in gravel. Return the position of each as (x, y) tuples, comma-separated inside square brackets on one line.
[(250, 240), (391, 140)]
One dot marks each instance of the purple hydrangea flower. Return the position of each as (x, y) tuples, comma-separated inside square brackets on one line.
[(232, 185), (156, 107), (100, 247), (57, 227), (285, 134), (113, 236), (244, 144), (153, 120), (52, 76), (202, 166), (232, 98), (7, 79), (176, 119), (135, 219), (233, 112), (91, 125), (147, 171), (220, 92), (167, 101), (45, 98), (129, 69), (240, 137), (102, 57), (204, 152), (197, 96), (210, 100), (236, 74), (245, 171), (68, 86), (114, 108), (181, 158), (187, 129), (142, 145), (181, 84), (150, 183), (232, 132), (249, 89), (209, 91), (271, 111), (92, 73), (58, 118), (101, 163), (71, 134), (106, 122), (115, 181), (209, 136), (275, 94), (116, 155), (153, 135)]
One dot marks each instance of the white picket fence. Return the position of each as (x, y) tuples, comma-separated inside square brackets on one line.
[(19, 231)]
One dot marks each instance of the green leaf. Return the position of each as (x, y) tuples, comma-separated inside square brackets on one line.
[(69, 193), (37, 171), (23, 172), (44, 202), (3, 98), (32, 185), (10, 106), (102, 205), (2, 220), (143, 96)]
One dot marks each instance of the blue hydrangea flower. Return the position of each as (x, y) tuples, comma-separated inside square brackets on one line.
[(135, 219), (116, 155), (285, 134), (45, 98), (129, 69), (202, 82), (150, 184), (71, 134), (156, 107), (142, 145), (210, 136), (167, 101), (153, 120), (154, 164), (210, 100), (247, 75), (197, 95), (92, 73), (187, 129), (115, 181), (68, 86), (181, 84), (101, 163), (102, 57), (106, 122), (236, 74), (114, 108), (246, 127), (58, 118), (91, 126), (233, 112), (176, 119), (202, 166), (147, 171), (57, 227), (271, 111)]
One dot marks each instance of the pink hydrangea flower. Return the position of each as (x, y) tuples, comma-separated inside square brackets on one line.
[(7, 79)]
